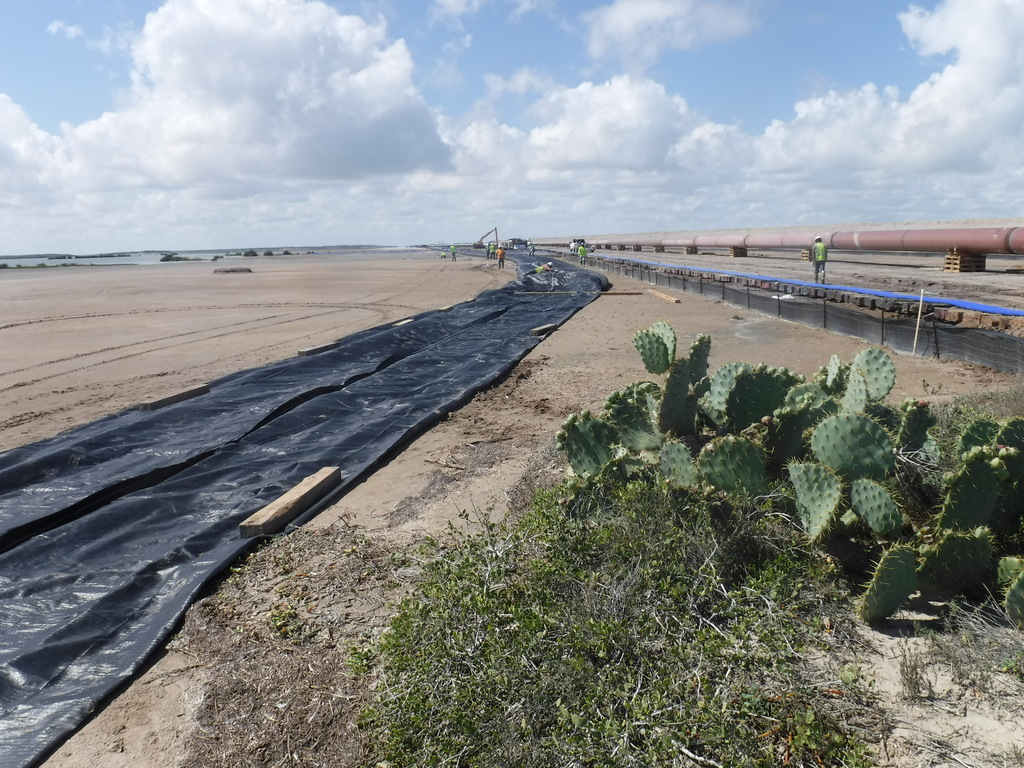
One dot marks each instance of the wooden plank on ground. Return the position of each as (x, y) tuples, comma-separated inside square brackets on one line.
[(278, 513), (317, 350), (621, 293), (665, 296), (188, 394)]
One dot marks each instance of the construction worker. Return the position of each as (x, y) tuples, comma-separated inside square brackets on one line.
[(500, 254), (544, 268), (583, 254), (819, 255), (532, 248), (453, 251), (491, 249)]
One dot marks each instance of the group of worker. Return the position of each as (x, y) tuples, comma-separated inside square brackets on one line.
[(818, 254), (495, 251)]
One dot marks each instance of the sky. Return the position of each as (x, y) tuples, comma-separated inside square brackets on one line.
[(204, 124)]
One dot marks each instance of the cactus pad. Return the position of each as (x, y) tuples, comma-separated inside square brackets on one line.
[(588, 443), (894, 580), (978, 433), (676, 465), (818, 493), (1013, 600), (875, 506), (700, 349), (813, 398), (719, 386), (972, 492), (855, 399), (757, 393), (832, 377), (1009, 569), (678, 412), (631, 412), (916, 419), (854, 446), (959, 562), (734, 464), (657, 347), (878, 370)]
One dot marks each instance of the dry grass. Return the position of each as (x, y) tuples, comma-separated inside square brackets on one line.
[(280, 644)]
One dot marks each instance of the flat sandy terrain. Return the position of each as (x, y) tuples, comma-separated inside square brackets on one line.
[(80, 343)]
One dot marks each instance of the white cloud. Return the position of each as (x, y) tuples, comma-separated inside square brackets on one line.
[(238, 92), (622, 123), (637, 31), (58, 27), (963, 120), (285, 120), (455, 8)]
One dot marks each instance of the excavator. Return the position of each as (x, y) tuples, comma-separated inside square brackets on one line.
[(480, 243)]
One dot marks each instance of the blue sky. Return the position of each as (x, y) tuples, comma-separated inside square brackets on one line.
[(188, 124)]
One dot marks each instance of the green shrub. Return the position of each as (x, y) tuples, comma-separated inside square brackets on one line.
[(648, 624)]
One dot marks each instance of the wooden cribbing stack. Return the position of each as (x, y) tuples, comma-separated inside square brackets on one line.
[(963, 262)]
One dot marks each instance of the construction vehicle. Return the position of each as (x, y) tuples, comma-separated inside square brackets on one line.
[(480, 243)]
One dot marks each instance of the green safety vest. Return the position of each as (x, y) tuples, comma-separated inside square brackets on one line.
[(820, 251)]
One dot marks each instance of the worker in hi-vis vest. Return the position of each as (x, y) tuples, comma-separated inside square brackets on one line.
[(819, 255)]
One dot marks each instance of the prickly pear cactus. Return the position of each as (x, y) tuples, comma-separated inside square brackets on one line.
[(676, 465), (916, 418), (1010, 441), (959, 562), (1009, 569), (734, 464), (971, 492), (589, 443), (1013, 600), (678, 412), (855, 398), (657, 347), (878, 371), (832, 377), (854, 446), (784, 434), (876, 506), (632, 412), (979, 432), (757, 393), (894, 580), (813, 398), (720, 385), (700, 349), (818, 493)]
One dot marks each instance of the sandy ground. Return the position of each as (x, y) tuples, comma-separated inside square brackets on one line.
[(79, 343)]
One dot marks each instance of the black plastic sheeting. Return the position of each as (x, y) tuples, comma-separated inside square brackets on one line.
[(109, 531), (974, 345)]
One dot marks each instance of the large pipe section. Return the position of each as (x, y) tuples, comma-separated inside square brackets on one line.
[(979, 240)]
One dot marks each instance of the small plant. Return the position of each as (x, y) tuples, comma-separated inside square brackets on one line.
[(916, 679), (285, 622)]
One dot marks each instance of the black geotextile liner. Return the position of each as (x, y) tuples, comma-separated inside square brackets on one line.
[(112, 529)]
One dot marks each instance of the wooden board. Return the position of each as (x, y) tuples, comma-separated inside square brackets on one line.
[(278, 513), (163, 402)]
